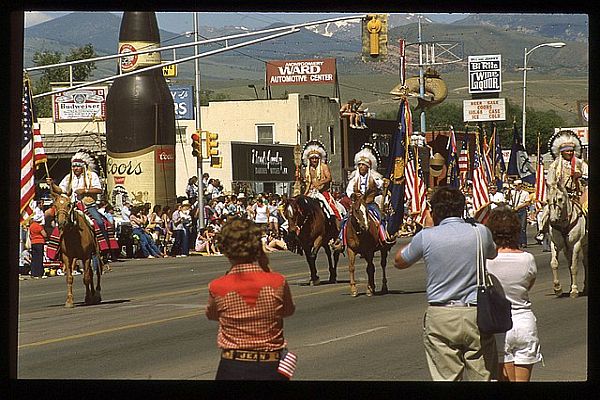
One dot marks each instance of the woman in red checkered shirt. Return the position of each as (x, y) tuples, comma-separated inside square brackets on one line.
[(249, 302)]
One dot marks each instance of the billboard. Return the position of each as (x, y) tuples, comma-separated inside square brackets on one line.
[(484, 110), (301, 72), (80, 104), (485, 74), (183, 101), (262, 162)]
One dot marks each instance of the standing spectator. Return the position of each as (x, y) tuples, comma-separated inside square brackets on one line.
[(166, 217), (37, 236), (453, 343), (519, 348), (125, 212), (496, 197), (519, 201), (186, 220), (261, 213), (180, 244), (273, 215), (250, 303), (191, 190)]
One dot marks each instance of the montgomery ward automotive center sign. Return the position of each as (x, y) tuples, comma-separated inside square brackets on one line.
[(301, 72)]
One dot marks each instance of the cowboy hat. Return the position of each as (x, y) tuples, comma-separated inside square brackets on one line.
[(241, 196), (517, 182), (436, 165), (185, 203)]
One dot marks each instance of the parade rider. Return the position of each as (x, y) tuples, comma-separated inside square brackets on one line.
[(568, 170), (363, 179), (83, 186), (317, 179)]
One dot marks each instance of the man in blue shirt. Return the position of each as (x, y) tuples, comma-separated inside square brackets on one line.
[(451, 337)]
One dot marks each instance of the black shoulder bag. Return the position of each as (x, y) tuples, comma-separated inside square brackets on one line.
[(493, 309)]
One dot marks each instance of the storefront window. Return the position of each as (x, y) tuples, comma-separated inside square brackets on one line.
[(265, 134)]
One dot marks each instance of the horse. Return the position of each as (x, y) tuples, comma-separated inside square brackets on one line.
[(568, 233), (362, 237), (77, 242), (308, 231)]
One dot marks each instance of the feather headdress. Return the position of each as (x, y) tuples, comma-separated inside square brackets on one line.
[(314, 147), (564, 140), (85, 158), (367, 155)]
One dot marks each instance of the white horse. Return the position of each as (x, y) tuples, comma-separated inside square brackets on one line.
[(568, 233)]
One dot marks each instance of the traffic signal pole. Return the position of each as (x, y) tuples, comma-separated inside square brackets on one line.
[(199, 157)]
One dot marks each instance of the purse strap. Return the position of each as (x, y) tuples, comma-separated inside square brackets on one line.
[(483, 278)]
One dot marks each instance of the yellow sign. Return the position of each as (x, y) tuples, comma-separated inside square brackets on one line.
[(170, 71)]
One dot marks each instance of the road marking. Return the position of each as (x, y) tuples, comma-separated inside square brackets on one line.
[(148, 323), (119, 328), (346, 337)]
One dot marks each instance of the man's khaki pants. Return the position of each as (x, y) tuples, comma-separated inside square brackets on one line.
[(454, 345)]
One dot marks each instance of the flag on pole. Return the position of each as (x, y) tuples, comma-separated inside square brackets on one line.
[(463, 159), (27, 154), (481, 197), (396, 166), (453, 180), (415, 187), (519, 164), (487, 161), (540, 179), (497, 159)]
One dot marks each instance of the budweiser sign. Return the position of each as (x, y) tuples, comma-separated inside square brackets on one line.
[(301, 72)]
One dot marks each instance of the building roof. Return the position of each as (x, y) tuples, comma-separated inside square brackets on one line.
[(67, 143)]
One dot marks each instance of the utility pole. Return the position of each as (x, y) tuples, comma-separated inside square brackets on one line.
[(199, 159)]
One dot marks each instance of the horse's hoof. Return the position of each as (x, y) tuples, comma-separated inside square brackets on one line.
[(384, 290), (69, 304), (315, 282), (353, 291), (574, 294), (370, 291), (332, 280), (558, 291)]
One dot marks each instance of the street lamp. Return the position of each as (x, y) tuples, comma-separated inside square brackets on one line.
[(553, 44)]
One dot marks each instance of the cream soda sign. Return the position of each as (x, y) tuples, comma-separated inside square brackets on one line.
[(301, 72)]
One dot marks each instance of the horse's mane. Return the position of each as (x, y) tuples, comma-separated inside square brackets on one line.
[(308, 205)]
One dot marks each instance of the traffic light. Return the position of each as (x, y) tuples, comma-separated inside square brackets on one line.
[(212, 144), (374, 37), (196, 146)]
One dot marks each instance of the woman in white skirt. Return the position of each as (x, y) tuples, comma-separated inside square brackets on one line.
[(519, 348)]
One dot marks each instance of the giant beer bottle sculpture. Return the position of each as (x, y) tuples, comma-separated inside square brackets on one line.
[(140, 123)]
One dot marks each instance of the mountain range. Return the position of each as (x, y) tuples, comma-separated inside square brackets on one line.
[(506, 34)]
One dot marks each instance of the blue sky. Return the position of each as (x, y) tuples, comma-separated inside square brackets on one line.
[(179, 22)]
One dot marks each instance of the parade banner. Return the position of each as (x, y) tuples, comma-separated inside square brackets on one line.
[(301, 72), (80, 104)]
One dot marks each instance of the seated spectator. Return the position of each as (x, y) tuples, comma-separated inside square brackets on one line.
[(138, 222)]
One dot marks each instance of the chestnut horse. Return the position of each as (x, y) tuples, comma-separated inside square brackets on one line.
[(308, 231), (77, 242), (362, 237)]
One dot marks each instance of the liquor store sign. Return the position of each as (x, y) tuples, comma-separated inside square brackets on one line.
[(262, 163), (485, 74), (82, 104), (484, 110), (301, 72)]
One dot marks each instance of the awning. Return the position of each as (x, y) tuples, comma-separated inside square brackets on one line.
[(65, 144)]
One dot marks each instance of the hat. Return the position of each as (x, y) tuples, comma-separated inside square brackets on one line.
[(241, 196), (314, 148), (518, 182), (85, 158), (436, 165), (185, 203)]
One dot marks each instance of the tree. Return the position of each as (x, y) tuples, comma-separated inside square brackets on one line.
[(81, 72)]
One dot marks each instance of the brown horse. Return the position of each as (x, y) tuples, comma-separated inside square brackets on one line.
[(77, 242), (362, 237), (308, 231)]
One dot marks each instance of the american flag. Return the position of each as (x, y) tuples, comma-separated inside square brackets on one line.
[(463, 159), (481, 197), (414, 191), (287, 365), (32, 153), (487, 160), (498, 160), (452, 160), (540, 179)]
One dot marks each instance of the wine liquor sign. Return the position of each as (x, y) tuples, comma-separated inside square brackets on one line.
[(82, 104), (485, 74)]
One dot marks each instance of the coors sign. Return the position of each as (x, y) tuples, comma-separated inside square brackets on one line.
[(140, 123)]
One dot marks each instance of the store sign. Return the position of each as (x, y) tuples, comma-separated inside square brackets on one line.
[(301, 72), (262, 162), (183, 101), (484, 110), (485, 74), (82, 104)]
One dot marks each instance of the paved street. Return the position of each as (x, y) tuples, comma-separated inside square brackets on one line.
[(151, 324)]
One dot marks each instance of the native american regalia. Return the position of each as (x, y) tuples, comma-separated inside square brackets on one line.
[(568, 173), (103, 229), (358, 183), (312, 175)]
